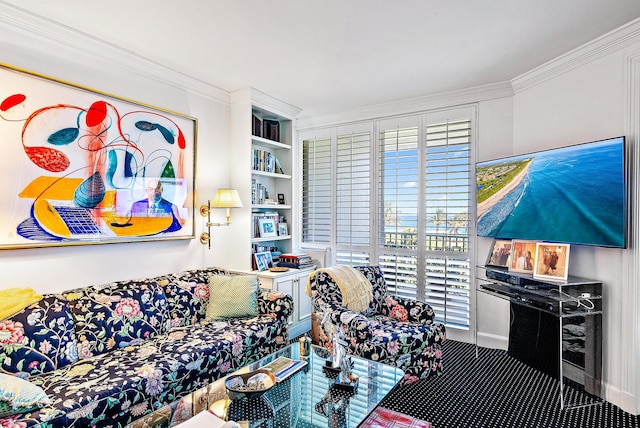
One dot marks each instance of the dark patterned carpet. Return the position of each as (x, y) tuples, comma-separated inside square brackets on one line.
[(496, 390)]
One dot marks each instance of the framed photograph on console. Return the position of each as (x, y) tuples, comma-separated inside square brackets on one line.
[(552, 261), (500, 253), (523, 256)]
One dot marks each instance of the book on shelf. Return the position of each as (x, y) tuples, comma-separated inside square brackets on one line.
[(271, 129), (283, 367), (296, 257), (265, 161), (295, 260), (259, 193), (295, 265), (257, 126), (278, 167)]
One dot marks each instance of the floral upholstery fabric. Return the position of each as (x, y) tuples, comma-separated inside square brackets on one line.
[(119, 384), (395, 330), (187, 294), (117, 315), (116, 388), (38, 339)]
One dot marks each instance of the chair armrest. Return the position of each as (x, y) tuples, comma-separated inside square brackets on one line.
[(409, 310), (274, 303), (354, 325)]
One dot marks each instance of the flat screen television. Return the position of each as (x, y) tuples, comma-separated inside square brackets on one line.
[(573, 195)]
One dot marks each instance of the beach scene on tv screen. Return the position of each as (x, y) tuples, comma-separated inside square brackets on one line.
[(573, 194)]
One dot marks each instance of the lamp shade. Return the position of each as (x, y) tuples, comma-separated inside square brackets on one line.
[(226, 198)]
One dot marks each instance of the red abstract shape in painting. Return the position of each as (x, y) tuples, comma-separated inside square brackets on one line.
[(12, 101), (181, 140), (97, 113), (48, 159)]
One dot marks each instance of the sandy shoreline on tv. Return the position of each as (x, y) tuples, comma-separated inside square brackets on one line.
[(486, 205)]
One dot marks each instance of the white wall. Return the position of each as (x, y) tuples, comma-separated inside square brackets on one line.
[(580, 102), (495, 140), (59, 53)]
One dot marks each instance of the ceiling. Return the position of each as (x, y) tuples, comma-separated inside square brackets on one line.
[(332, 56)]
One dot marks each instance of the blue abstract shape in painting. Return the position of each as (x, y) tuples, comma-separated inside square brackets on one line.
[(143, 125), (30, 229), (112, 166), (63, 137), (166, 134), (90, 192)]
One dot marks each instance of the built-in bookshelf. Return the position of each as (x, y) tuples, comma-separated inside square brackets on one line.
[(268, 124), (271, 182)]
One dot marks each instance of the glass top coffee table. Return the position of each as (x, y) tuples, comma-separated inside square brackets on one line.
[(308, 398)]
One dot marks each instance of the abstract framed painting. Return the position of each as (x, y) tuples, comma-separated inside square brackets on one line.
[(83, 167)]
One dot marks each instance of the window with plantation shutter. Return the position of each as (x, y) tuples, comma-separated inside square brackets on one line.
[(316, 190), (401, 201), (447, 210), (353, 189)]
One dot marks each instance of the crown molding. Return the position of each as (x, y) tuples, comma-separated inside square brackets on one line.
[(259, 99), (596, 49), (412, 105), (40, 32)]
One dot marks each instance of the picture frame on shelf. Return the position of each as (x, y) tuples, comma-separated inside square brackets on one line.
[(281, 199), (523, 256), (552, 261), (263, 261), (500, 253), (283, 229), (267, 228)]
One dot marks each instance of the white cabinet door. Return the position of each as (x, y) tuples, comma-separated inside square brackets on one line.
[(292, 282)]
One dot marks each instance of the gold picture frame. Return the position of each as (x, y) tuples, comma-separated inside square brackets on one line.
[(87, 167)]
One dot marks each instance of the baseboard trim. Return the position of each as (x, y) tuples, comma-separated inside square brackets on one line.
[(492, 341)]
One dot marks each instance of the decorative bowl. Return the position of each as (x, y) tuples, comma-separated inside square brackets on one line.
[(249, 385)]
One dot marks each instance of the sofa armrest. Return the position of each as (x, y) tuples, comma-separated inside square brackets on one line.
[(274, 303), (354, 325), (410, 310)]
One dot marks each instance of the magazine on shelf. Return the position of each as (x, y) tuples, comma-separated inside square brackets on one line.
[(283, 367)]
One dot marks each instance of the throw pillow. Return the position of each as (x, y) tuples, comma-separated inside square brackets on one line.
[(19, 393), (7, 410), (232, 296), (13, 300)]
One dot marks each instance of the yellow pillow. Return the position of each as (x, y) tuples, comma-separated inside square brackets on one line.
[(13, 300), (232, 296)]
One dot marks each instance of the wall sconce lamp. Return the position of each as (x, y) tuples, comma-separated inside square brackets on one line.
[(225, 198)]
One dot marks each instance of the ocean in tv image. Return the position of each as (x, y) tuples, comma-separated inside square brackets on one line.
[(572, 195)]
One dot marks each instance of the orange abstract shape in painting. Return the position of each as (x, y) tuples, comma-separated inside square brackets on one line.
[(12, 101), (49, 219), (48, 187), (48, 159)]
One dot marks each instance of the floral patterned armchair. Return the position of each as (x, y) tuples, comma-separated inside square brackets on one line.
[(393, 330)]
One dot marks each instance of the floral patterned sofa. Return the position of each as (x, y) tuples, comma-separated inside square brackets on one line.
[(110, 354), (393, 330)]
